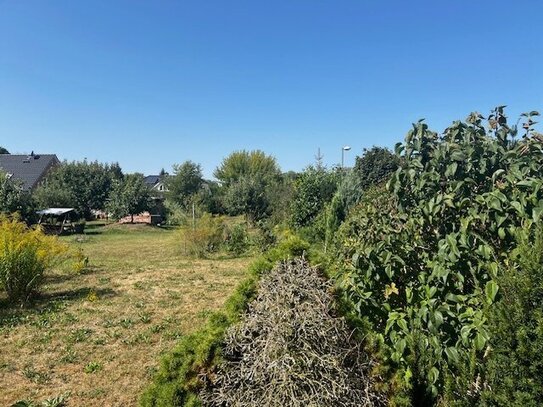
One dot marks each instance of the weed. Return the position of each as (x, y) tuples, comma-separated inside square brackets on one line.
[(93, 367), (92, 296), (35, 376), (145, 318), (70, 356), (79, 335), (126, 323)]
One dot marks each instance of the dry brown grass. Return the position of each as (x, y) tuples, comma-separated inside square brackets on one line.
[(100, 334)]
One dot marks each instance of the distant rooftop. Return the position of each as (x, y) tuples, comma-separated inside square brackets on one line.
[(30, 169)]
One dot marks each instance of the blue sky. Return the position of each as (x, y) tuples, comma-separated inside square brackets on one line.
[(152, 83)]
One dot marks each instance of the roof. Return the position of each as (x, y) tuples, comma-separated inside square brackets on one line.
[(152, 180), (29, 169), (55, 211)]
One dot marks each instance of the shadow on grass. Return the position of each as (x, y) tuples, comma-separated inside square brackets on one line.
[(67, 276), (44, 305)]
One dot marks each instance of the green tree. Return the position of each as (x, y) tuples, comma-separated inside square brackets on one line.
[(243, 164), (247, 195), (374, 166), (81, 185), (129, 196), (313, 189), (14, 199), (186, 181), (246, 178), (3, 150)]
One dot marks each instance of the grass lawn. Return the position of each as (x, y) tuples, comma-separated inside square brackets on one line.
[(100, 334)]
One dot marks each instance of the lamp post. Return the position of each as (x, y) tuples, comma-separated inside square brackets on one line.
[(343, 149)]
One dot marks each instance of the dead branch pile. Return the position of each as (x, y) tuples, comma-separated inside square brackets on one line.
[(291, 350)]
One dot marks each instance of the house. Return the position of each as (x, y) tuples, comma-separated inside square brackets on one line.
[(30, 169), (156, 183)]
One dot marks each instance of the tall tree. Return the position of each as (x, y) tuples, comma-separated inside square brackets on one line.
[(129, 196), (376, 165), (244, 163), (186, 181), (246, 178), (3, 150)]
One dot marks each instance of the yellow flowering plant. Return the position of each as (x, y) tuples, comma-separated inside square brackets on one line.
[(25, 254)]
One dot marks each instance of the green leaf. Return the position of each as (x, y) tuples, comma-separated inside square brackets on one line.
[(433, 375), (452, 354), (491, 289), (403, 325), (400, 346), (517, 206), (536, 213), (438, 316), (479, 341)]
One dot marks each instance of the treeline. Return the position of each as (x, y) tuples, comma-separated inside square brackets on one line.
[(248, 183)]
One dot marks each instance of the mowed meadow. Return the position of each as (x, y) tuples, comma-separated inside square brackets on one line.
[(98, 334)]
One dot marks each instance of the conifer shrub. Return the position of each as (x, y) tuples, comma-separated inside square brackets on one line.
[(25, 255)]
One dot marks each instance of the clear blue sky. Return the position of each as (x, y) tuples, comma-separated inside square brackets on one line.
[(152, 83)]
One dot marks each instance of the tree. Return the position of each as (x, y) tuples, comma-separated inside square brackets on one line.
[(3, 150), (186, 181), (247, 195), (80, 185), (312, 190), (129, 196), (13, 198), (247, 178), (244, 163), (375, 166)]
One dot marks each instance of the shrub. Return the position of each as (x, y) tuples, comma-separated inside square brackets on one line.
[(206, 236), (421, 260), (514, 370), (237, 239), (25, 254), (375, 166), (264, 237), (312, 190)]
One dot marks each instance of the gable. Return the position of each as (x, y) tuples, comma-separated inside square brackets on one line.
[(29, 169)]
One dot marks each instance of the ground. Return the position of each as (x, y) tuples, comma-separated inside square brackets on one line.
[(99, 334)]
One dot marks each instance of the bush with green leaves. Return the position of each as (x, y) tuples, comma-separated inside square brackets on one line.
[(313, 189), (421, 259), (203, 237), (237, 239), (511, 373)]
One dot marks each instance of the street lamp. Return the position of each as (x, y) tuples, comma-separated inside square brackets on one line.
[(344, 148)]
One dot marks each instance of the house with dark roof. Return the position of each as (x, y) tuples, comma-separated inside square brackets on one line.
[(156, 183), (29, 169)]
